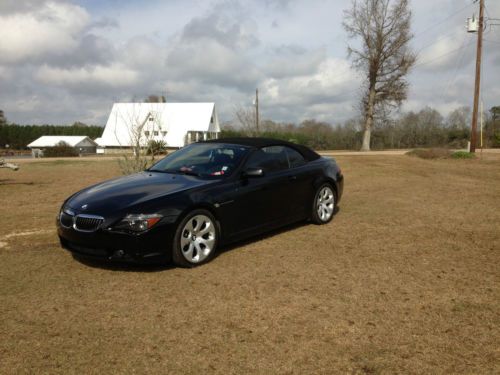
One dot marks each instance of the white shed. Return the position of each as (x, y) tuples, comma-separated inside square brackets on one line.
[(81, 143), (176, 124)]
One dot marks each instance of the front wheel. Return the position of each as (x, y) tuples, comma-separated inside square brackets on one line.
[(324, 204), (195, 239)]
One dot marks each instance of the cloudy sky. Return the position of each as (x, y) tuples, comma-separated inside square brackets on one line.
[(68, 60)]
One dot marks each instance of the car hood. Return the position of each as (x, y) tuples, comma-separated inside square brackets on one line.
[(121, 193)]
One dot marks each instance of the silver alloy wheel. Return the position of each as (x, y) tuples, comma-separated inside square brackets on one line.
[(198, 238), (325, 203)]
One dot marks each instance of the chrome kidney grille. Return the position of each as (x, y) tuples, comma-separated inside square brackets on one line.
[(82, 222), (87, 223), (66, 220)]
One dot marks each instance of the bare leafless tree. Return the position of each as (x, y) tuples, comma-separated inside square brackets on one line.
[(3, 120), (141, 129), (384, 56), (155, 99), (246, 120)]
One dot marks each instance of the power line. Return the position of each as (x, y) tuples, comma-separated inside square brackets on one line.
[(462, 47), (434, 25), (430, 27), (491, 41), (442, 36), (458, 65), (488, 19), (436, 41), (441, 56), (487, 12)]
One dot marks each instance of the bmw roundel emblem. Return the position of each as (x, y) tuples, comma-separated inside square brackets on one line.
[(84, 207)]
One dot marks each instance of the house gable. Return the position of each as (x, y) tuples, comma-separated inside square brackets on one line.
[(168, 122)]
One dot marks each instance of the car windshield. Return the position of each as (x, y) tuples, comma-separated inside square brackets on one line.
[(215, 160)]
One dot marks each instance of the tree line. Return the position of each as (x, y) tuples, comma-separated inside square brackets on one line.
[(425, 128), (17, 137)]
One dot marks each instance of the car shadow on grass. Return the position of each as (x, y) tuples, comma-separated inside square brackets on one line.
[(124, 266), (259, 237)]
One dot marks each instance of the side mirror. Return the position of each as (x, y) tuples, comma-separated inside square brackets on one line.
[(253, 172)]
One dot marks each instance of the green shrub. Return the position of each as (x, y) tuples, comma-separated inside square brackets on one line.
[(61, 149), (157, 148), (496, 140), (463, 155)]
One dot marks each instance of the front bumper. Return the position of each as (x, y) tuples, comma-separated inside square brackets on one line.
[(151, 246)]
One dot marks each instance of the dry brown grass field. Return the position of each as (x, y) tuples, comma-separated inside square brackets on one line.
[(405, 279)]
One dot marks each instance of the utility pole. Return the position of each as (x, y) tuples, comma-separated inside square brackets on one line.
[(477, 86), (257, 110)]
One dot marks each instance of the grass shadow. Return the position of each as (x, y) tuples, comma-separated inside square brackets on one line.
[(9, 181), (59, 162)]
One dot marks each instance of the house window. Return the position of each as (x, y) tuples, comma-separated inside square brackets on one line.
[(146, 133), (155, 133), (163, 134), (151, 118)]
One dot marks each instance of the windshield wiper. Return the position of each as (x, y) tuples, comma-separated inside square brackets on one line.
[(190, 173), (179, 171)]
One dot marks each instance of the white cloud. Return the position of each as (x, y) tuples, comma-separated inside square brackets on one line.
[(331, 85), (5, 73), (114, 76), (48, 28), (333, 77), (211, 62), (143, 53), (294, 61)]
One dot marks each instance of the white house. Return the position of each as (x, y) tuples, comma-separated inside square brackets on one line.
[(176, 124), (81, 143)]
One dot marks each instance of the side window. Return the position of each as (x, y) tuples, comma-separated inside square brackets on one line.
[(270, 159), (295, 159)]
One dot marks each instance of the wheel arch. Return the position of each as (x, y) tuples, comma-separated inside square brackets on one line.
[(325, 179)]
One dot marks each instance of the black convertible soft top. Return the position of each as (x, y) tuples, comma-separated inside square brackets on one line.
[(256, 142)]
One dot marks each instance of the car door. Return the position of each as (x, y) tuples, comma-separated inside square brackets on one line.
[(262, 201), (301, 184)]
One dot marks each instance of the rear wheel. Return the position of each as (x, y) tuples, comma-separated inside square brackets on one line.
[(324, 204), (195, 239)]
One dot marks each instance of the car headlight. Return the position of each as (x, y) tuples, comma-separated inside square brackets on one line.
[(138, 222)]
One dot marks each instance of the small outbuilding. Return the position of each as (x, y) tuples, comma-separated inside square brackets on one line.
[(80, 143), (174, 124)]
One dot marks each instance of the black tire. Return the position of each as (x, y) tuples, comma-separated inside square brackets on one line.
[(178, 256), (315, 215)]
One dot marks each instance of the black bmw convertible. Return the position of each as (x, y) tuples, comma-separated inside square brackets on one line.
[(199, 197)]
